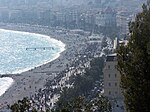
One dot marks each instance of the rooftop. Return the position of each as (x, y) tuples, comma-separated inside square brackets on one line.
[(111, 57)]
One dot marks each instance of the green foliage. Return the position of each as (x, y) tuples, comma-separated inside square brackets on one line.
[(21, 106), (81, 104), (134, 64)]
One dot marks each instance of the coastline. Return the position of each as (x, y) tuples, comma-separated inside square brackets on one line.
[(5, 83), (42, 37), (29, 82)]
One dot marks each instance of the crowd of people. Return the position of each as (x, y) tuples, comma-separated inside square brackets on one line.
[(47, 97)]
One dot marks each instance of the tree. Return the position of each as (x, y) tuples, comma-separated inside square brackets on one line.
[(134, 64), (81, 104), (21, 105), (101, 104)]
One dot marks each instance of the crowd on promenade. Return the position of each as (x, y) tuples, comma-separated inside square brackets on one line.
[(49, 95)]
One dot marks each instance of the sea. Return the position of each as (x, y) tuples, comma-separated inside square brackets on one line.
[(22, 51)]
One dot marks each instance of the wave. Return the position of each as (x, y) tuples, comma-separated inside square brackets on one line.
[(5, 84)]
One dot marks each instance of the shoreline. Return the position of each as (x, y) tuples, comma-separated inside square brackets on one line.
[(46, 37), (28, 83), (5, 84)]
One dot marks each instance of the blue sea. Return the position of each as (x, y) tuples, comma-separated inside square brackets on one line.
[(22, 51)]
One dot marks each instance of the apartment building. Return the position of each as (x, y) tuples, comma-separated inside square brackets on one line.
[(111, 78), (110, 18)]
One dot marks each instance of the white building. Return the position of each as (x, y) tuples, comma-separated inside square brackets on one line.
[(112, 79)]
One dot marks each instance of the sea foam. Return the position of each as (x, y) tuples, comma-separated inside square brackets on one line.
[(5, 83)]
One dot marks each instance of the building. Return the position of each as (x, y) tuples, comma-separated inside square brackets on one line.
[(99, 19), (123, 19), (112, 77), (94, 38), (97, 3), (110, 18), (4, 14)]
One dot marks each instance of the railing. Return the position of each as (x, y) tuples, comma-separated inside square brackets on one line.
[(40, 48)]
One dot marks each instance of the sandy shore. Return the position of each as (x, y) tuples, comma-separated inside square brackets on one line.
[(28, 83)]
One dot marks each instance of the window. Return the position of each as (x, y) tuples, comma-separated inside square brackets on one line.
[(116, 84), (116, 92), (109, 75), (115, 75), (109, 92), (108, 66), (109, 84), (116, 66)]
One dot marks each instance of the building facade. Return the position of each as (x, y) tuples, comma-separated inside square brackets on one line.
[(110, 18), (112, 78)]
